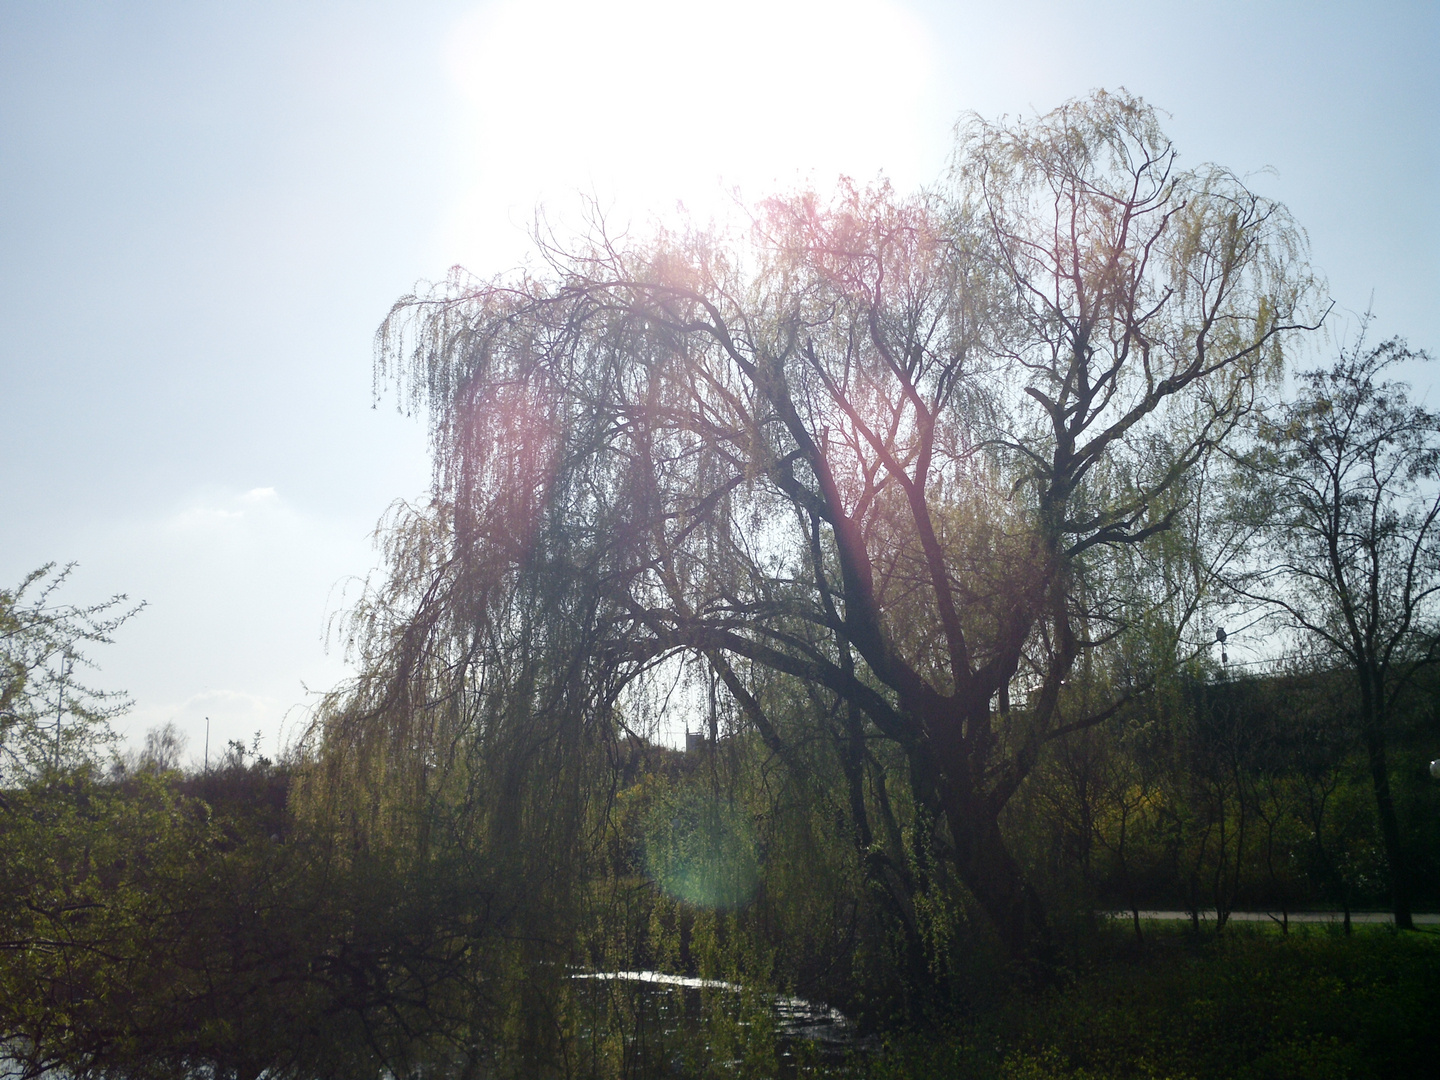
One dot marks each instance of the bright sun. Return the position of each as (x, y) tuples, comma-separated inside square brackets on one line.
[(644, 104)]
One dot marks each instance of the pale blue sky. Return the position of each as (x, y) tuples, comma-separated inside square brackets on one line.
[(206, 209)]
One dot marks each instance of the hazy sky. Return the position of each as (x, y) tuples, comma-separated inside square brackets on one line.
[(206, 210)]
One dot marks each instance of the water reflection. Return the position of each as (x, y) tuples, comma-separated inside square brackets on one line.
[(676, 1025)]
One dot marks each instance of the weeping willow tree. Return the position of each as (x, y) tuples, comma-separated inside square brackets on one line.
[(455, 783), (871, 461)]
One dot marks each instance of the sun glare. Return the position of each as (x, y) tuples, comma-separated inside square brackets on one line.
[(643, 105)]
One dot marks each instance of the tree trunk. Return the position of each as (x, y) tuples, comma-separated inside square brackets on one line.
[(1389, 825), (1125, 879), (986, 867)]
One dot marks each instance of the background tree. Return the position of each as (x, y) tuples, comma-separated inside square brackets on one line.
[(48, 717), (1345, 496), (882, 447)]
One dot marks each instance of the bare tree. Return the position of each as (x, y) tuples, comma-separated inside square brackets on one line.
[(880, 447), (1345, 493)]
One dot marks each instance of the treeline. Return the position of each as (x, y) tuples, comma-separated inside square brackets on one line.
[(1249, 792), (232, 923)]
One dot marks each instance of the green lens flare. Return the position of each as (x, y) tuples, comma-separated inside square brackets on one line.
[(701, 850)]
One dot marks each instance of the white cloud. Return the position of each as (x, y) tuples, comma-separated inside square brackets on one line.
[(220, 509), (203, 517)]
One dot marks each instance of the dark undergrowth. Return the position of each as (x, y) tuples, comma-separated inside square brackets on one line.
[(1247, 1005)]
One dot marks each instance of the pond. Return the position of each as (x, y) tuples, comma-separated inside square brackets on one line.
[(652, 1024)]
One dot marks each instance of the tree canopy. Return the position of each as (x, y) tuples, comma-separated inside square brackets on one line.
[(870, 460)]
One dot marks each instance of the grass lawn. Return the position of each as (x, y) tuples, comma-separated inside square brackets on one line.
[(1249, 1005)]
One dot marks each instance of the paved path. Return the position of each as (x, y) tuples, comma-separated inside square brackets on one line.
[(1432, 918)]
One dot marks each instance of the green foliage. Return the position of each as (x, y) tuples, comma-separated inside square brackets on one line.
[(149, 934), (1244, 793), (48, 717), (1252, 1006), (700, 849), (139, 935)]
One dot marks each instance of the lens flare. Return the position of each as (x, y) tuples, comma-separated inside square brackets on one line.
[(701, 850)]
